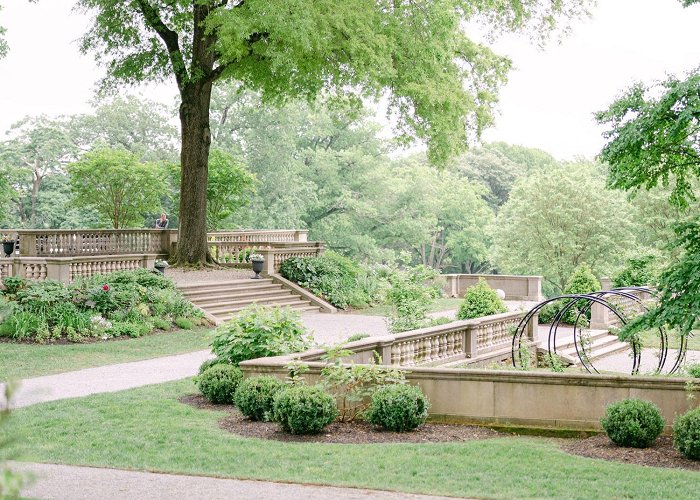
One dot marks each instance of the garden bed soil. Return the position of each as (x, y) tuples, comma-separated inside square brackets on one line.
[(342, 432), (660, 454)]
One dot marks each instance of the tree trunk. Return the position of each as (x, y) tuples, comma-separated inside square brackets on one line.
[(192, 247)]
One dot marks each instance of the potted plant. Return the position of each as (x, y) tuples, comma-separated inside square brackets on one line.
[(258, 260), (160, 265), (8, 244)]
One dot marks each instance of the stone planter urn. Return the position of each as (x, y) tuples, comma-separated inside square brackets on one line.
[(258, 262), (8, 247)]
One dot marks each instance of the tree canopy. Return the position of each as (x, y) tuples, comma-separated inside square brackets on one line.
[(441, 90)]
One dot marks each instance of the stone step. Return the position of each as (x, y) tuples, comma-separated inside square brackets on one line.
[(271, 300), (220, 297), (601, 346), (229, 290), (223, 285), (301, 309), (567, 342)]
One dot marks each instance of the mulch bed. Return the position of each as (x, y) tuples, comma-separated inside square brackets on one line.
[(660, 454), (343, 432)]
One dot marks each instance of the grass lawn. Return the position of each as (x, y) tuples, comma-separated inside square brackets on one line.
[(651, 339), (148, 429), (442, 304), (30, 360)]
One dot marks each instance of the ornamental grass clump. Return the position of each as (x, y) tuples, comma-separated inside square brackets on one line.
[(255, 395), (218, 383), (303, 409), (632, 422), (686, 434), (480, 300), (399, 408)]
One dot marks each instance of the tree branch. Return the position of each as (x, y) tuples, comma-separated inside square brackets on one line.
[(169, 37)]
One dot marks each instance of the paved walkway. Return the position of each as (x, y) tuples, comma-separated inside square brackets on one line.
[(59, 482)]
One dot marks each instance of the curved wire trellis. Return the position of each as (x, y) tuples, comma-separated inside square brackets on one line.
[(583, 303)]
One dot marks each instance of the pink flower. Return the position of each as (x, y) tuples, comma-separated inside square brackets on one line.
[(105, 288)]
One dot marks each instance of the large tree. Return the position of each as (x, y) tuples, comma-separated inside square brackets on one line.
[(441, 84)]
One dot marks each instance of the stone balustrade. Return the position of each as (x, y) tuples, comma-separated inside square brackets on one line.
[(603, 318), (515, 287), (259, 235), (80, 242)]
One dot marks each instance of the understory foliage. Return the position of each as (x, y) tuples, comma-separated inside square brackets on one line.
[(123, 303), (411, 293), (480, 300), (640, 271), (337, 279), (686, 434), (255, 395), (218, 383), (399, 408), (303, 409), (258, 332), (353, 385), (632, 422), (581, 281)]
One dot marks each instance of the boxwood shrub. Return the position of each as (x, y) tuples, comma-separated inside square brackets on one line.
[(686, 434), (480, 300), (303, 409), (398, 408), (255, 395), (632, 422), (218, 383)]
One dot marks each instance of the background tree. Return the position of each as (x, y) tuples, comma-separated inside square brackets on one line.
[(3, 43), (38, 147), (439, 88), (558, 219), (120, 188)]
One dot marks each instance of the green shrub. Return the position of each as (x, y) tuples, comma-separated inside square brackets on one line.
[(184, 323), (129, 329), (332, 276), (412, 292), (161, 323), (14, 284), (632, 422), (398, 408), (303, 409), (641, 271), (693, 370), (258, 332), (582, 281), (255, 395), (218, 383), (480, 300), (357, 336), (686, 434), (211, 362), (546, 314)]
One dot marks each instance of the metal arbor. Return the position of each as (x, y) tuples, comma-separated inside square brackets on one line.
[(610, 300)]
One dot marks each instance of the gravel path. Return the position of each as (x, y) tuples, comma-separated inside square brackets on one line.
[(87, 483), (110, 378)]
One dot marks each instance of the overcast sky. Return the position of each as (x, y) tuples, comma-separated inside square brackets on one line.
[(548, 102)]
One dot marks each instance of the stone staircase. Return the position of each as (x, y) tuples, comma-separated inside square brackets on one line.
[(223, 299), (602, 344)]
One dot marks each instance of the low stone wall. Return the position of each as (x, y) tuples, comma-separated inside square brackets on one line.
[(540, 400), (68, 269), (515, 287)]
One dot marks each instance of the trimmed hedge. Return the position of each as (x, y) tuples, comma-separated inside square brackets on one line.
[(255, 395), (218, 383), (686, 434), (632, 422), (398, 408), (480, 300), (303, 409)]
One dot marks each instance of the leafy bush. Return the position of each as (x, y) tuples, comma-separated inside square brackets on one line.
[(255, 395), (546, 314), (218, 383), (354, 385), (184, 323), (637, 272), (480, 300), (357, 336), (398, 408), (211, 362), (412, 292), (693, 370), (581, 281), (632, 422), (258, 332), (14, 284), (303, 409), (337, 279), (124, 303), (686, 434)]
